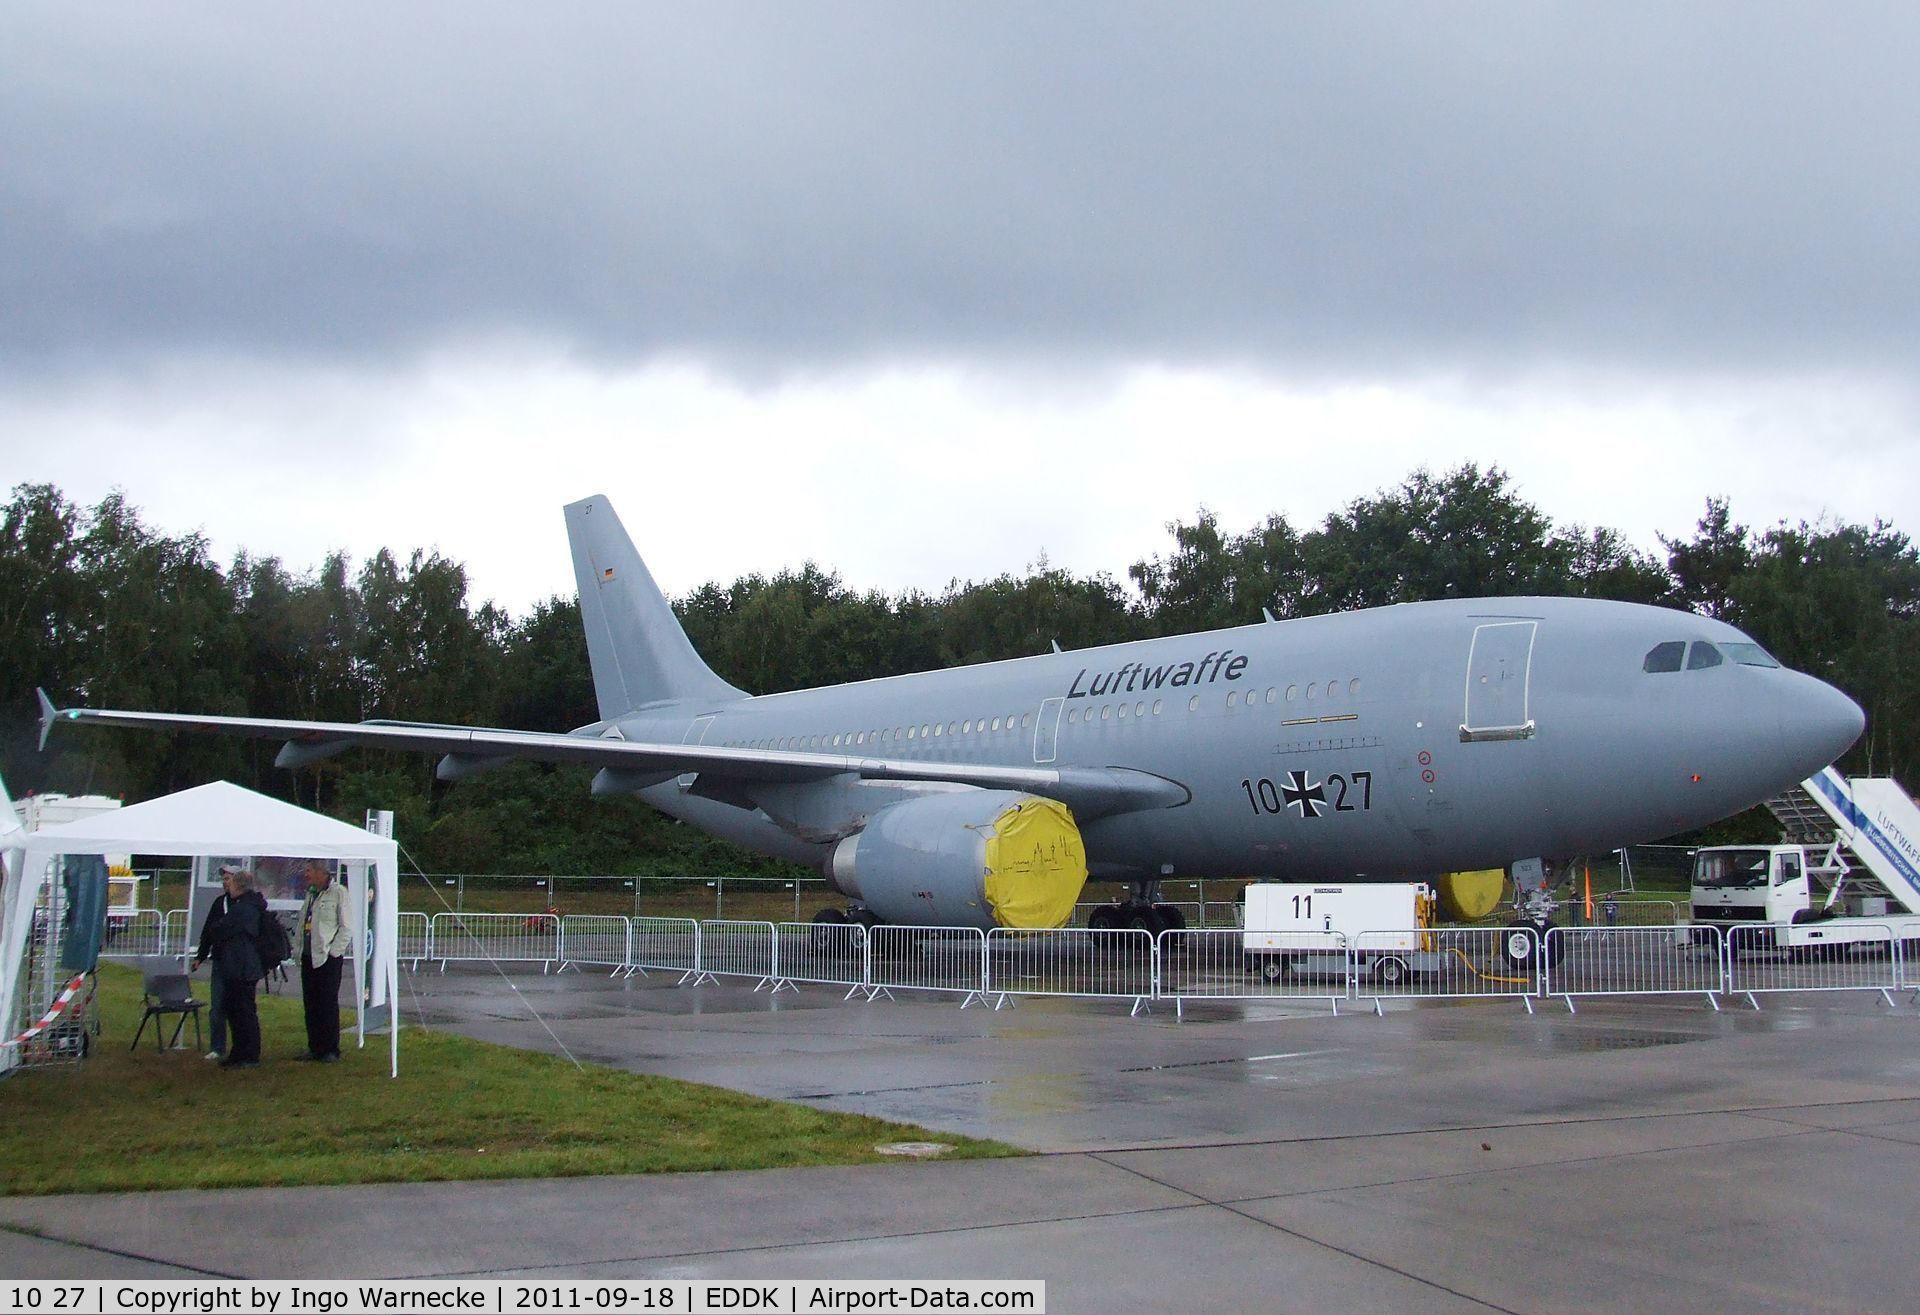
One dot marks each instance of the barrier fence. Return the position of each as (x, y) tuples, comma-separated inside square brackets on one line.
[(732, 948), (1446, 963), (137, 935), (1069, 961), (415, 939), (496, 938), (663, 944), (904, 958), (1634, 961), (595, 939), (1217, 965), (1132, 964), (1772, 959)]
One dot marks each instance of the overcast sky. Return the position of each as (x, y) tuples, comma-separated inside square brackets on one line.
[(925, 291)]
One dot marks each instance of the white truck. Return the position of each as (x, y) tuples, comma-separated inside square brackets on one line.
[(1799, 895), (1302, 928)]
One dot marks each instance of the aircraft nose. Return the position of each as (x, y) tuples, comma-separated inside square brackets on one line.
[(1818, 721)]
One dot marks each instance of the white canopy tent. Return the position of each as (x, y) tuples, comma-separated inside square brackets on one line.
[(209, 821)]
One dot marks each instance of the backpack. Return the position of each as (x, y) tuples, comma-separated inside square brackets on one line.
[(272, 943)]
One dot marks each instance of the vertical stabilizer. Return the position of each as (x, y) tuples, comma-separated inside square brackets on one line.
[(639, 653)]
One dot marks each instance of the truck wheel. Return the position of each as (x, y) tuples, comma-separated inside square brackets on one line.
[(1275, 966), (1389, 971)]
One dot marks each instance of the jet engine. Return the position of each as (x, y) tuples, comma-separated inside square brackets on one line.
[(973, 858)]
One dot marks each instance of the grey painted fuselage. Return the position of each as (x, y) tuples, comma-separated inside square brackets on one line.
[(1329, 746)]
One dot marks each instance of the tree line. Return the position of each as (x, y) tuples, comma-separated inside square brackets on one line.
[(105, 611)]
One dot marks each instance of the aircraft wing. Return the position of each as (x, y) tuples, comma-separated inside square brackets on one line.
[(1089, 791)]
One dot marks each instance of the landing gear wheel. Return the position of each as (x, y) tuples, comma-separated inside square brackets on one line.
[(1519, 945), (1104, 918), (1174, 921), (823, 937), (1148, 920)]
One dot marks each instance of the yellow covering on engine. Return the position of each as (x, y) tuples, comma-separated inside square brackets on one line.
[(1471, 896), (1036, 865)]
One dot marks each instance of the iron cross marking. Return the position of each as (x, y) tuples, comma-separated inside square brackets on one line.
[(1302, 793)]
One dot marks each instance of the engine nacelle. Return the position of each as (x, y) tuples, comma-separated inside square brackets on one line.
[(976, 858)]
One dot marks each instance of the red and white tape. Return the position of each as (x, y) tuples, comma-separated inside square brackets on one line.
[(59, 1006)]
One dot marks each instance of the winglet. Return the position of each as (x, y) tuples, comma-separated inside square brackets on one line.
[(47, 714)]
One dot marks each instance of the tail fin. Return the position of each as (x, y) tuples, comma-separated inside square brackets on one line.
[(639, 652)]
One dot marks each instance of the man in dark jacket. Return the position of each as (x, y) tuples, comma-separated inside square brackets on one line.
[(238, 963), (217, 1011)]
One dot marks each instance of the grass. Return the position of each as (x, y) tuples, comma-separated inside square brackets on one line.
[(460, 1109)]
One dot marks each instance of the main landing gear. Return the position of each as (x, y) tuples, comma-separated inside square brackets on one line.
[(1139, 915)]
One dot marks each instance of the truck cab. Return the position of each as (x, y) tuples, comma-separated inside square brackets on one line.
[(1734, 884)]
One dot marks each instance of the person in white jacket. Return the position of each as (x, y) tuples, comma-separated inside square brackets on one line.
[(324, 939)]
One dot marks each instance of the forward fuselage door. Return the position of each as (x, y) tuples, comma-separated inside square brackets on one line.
[(1046, 731), (1499, 673)]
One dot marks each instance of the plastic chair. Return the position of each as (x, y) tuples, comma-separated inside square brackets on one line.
[(164, 994)]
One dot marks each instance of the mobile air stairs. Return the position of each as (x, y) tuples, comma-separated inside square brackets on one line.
[(1871, 829)]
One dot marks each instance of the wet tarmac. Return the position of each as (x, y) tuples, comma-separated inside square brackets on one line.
[(1638, 1155)]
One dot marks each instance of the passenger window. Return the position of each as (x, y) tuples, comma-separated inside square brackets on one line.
[(1353, 688), (1311, 691), (1664, 657), (1272, 693), (1193, 704), (1106, 711), (1140, 708), (1156, 707), (1702, 655), (1291, 691), (1232, 697)]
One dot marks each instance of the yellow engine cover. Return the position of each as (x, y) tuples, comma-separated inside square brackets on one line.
[(1471, 896), (1036, 865)]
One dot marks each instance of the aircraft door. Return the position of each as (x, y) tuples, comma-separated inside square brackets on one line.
[(1046, 731), (1499, 669)]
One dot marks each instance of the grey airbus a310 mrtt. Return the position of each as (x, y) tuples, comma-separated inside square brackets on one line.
[(1393, 742)]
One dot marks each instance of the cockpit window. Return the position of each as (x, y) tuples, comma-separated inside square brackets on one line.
[(1702, 655), (1749, 655), (1665, 657)]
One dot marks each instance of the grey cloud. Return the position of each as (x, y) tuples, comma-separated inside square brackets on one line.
[(1346, 188)]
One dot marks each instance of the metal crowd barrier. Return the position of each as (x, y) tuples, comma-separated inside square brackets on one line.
[(906, 958), (496, 938), (1759, 961), (173, 936), (597, 939), (730, 948), (1443, 963), (1632, 961), (415, 939), (664, 944), (1214, 965), (1122, 963), (826, 954), (141, 935), (1195, 964)]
